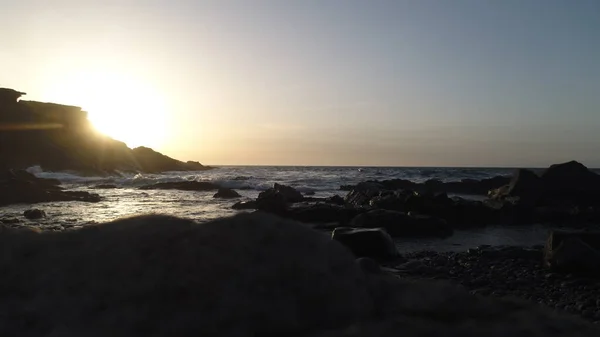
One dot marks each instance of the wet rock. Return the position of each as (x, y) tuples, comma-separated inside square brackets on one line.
[(281, 192), (226, 193), (362, 193), (10, 221), (399, 224), (392, 200), (183, 186), (19, 186), (34, 214), (373, 242)]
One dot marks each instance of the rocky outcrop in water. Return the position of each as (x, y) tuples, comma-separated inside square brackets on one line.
[(249, 275), (566, 194), (226, 193), (60, 138), (22, 187), (465, 186)]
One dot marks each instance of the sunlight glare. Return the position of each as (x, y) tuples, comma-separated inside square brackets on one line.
[(120, 107)]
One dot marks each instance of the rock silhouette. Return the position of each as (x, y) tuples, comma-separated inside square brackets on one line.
[(60, 137)]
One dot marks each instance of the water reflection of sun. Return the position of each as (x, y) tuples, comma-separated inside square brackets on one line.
[(121, 107)]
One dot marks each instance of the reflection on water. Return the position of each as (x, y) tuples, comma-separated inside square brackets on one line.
[(201, 206)]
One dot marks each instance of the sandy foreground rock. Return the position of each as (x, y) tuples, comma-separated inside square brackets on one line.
[(247, 275)]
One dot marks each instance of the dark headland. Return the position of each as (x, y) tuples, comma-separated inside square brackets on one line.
[(60, 138), (298, 265)]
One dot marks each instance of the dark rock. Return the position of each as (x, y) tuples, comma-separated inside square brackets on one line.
[(399, 224), (309, 193), (60, 137), (336, 200), (373, 242), (183, 186), (571, 182), (34, 214), (524, 184), (154, 162), (573, 252), (362, 193), (286, 193), (226, 193), (10, 221), (392, 200), (18, 186), (465, 186)]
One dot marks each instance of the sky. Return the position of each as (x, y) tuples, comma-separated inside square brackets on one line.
[(511, 83)]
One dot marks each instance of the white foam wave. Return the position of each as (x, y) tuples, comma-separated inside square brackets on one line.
[(64, 177)]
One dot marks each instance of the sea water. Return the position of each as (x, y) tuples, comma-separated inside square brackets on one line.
[(249, 181)]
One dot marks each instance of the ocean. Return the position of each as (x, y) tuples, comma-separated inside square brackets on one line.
[(249, 181)]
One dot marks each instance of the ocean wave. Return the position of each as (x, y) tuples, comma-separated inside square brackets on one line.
[(64, 177)]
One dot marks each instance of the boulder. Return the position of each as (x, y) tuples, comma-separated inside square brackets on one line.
[(226, 193), (362, 193), (336, 200), (391, 200), (286, 193), (183, 186), (571, 183), (21, 187), (399, 224), (573, 252), (375, 243), (34, 214), (525, 184), (248, 275)]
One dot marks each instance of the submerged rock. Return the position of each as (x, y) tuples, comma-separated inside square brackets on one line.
[(34, 214)]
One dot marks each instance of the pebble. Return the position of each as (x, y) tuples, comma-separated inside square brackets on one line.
[(509, 272)]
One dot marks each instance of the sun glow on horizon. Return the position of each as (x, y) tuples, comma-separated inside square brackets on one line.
[(121, 107)]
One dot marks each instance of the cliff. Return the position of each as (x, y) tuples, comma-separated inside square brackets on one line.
[(59, 137)]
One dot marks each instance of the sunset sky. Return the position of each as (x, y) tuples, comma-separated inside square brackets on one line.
[(321, 82)]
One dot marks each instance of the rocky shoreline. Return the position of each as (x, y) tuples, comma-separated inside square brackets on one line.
[(516, 272)]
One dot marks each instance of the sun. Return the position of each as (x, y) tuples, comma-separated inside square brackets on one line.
[(121, 106)]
